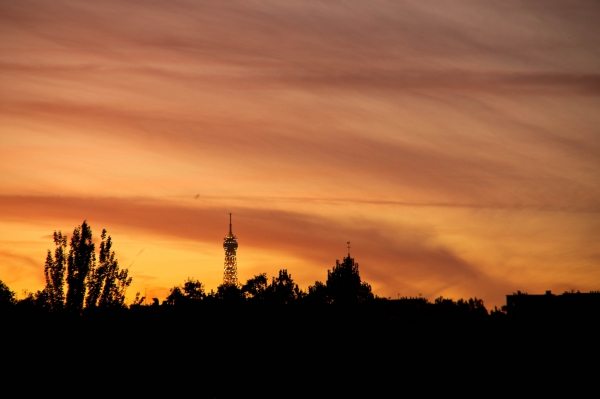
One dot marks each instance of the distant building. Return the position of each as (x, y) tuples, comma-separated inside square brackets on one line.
[(230, 276), (549, 304)]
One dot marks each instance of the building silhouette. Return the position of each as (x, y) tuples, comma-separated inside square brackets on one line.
[(549, 304), (230, 276)]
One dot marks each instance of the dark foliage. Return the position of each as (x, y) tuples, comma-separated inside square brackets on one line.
[(88, 286), (107, 283), (54, 272), (79, 264), (283, 290), (192, 292), (228, 293), (255, 288), (344, 286), (7, 297)]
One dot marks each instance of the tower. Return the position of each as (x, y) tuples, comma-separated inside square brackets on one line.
[(230, 245)]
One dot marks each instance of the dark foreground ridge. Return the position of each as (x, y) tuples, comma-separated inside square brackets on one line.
[(225, 349)]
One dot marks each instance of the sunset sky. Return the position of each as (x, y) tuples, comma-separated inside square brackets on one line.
[(455, 144)]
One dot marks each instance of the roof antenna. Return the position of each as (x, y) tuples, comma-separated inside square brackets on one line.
[(230, 224)]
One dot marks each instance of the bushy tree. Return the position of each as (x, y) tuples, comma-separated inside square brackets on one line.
[(193, 289), (229, 293), (256, 287), (318, 293), (7, 297), (191, 292), (473, 306), (283, 289), (175, 296), (344, 285)]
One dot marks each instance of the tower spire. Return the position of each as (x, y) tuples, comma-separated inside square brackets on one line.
[(230, 276), (348, 248)]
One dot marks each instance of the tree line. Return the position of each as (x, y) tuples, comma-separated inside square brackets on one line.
[(342, 287), (76, 281)]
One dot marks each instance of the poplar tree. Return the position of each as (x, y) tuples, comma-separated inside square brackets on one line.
[(107, 283), (80, 262), (101, 285), (54, 272)]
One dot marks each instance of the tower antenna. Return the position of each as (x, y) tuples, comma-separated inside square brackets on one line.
[(230, 276)]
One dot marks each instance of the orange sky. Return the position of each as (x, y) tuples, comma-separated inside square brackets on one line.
[(455, 144)]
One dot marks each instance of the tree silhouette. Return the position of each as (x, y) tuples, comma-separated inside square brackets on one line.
[(256, 287), (474, 306), (7, 297), (318, 293), (107, 284), (470, 307), (283, 289), (229, 293), (175, 296), (79, 263), (98, 274), (344, 285), (54, 271), (192, 291)]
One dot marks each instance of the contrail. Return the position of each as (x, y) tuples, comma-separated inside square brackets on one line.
[(135, 257)]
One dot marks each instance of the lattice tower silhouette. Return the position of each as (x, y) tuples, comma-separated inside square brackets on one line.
[(230, 276)]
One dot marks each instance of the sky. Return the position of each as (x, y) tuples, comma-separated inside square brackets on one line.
[(455, 144)]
